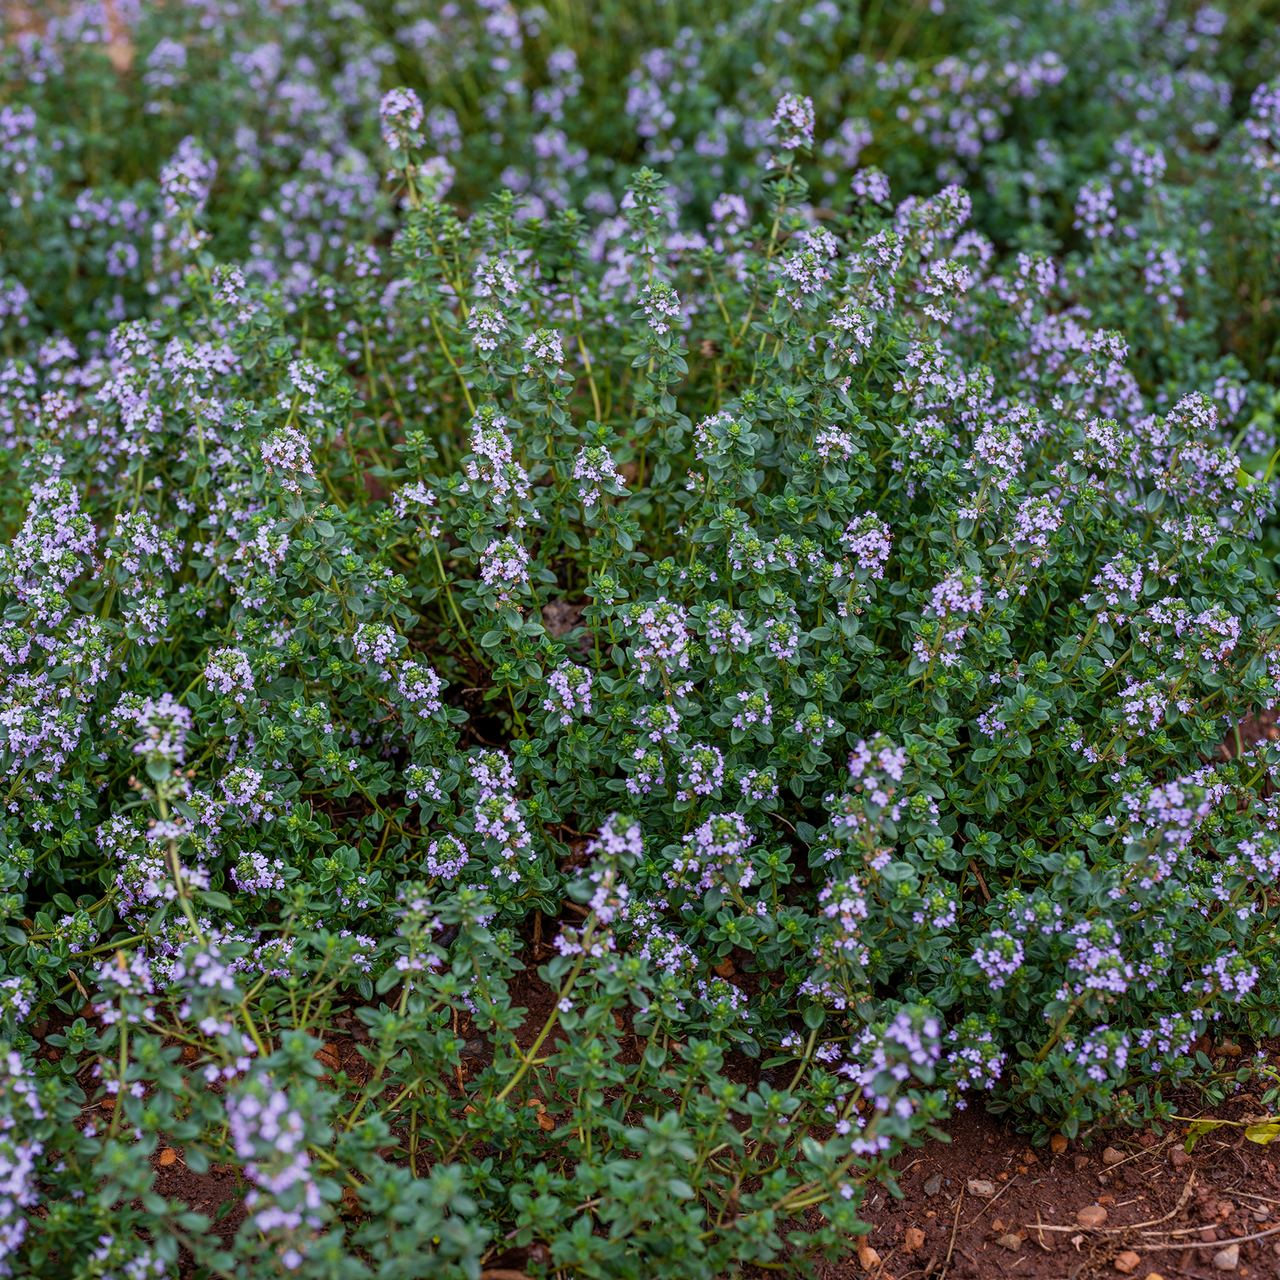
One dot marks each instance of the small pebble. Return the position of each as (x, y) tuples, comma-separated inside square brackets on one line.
[(1127, 1262), (1012, 1243), (1154, 1275), (1179, 1157), (1228, 1258), (1111, 1156), (1058, 1144), (1260, 1215), (1081, 1162), (1092, 1215), (912, 1239), (868, 1257), (981, 1187), (934, 1185), (1207, 1235)]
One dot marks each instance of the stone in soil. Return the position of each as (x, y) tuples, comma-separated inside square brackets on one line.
[(1127, 1262), (981, 1187), (1228, 1258), (1092, 1215)]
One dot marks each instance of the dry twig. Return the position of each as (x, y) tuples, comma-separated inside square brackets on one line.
[(955, 1226)]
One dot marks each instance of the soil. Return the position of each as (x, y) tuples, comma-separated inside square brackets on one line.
[(1028, 1228)]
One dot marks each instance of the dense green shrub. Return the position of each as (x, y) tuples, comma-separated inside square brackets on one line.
[(1025, 105), (816, 613)]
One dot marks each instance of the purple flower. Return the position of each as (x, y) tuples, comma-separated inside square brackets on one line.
[(793, 119), (870, 184), (420, 687), (375, 642), (569, 693), (185, 180), (701, 772), (228, 672), (594, 470), (504, 568), (401, 115)]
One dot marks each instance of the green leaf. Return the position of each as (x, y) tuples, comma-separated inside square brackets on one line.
[(213, 898), (1197, 1130), (158, 770)]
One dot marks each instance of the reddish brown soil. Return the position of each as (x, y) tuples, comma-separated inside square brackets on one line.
[(1029, 1228)]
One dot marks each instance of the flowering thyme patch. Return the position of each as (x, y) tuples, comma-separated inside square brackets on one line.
[(795, 627)]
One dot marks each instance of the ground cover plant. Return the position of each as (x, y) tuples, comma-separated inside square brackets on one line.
[(815, 622), (1118, 137)]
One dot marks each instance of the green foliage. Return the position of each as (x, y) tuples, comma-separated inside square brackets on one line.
[(807, 642)]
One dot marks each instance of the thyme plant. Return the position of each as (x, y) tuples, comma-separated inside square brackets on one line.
[(804, 645)]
